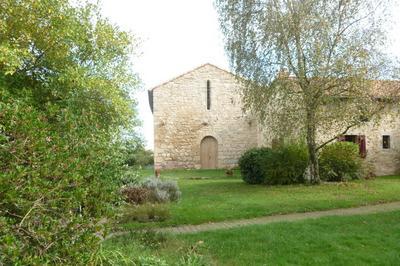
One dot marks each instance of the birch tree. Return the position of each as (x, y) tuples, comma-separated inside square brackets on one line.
[(310, 66)]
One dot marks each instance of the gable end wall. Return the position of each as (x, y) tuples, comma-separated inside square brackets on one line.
[(181, 119)]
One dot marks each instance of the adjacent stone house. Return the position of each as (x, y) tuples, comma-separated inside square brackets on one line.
[(199, 123)]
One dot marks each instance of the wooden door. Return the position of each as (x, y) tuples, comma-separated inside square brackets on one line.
[(209, 153)]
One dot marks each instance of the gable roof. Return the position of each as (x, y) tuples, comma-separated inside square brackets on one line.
[(381, 88), (150, 91), (189, 72)]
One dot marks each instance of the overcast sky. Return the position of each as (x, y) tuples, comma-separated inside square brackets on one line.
[(177, 36)]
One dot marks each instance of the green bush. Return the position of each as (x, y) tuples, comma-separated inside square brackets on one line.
[(286, 165), (65, 81), (282, 165), (340, 161), (253, 165), (135, 154)]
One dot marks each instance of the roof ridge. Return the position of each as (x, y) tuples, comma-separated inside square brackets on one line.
[(190, 71)]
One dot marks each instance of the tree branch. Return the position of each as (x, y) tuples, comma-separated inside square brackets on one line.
[(335, 137)]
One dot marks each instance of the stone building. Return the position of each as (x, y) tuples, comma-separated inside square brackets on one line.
[(199, 123)]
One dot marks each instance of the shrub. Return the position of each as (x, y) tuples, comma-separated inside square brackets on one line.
[(135, 194), (253, 163), (282, 165), (145, 213), (162, 190), (130, 178), (286, 165), (65, 84), (340, 161), (135, 154)]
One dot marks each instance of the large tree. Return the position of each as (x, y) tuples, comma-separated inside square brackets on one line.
[(65, 80), (309, 65)]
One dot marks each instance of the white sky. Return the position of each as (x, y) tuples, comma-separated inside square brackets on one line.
[(177, 36)]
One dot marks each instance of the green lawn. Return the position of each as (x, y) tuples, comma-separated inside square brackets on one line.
[(353, 240), (217, 197)]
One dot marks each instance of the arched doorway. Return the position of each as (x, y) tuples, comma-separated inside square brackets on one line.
[(209, 153)]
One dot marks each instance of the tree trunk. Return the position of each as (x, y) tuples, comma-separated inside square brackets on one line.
[(311, 174)]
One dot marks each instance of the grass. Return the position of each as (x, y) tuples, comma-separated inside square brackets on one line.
[(208, 195), (136, 247), (352, 240)]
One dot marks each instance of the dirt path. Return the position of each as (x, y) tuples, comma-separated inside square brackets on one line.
[(190, 229)]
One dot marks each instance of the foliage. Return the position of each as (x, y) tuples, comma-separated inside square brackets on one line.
[(144, 247), (253, 165), (64, 82), (340, 161), (192, 257), (147, 212), (286, 165), (135, 153), (151, 261), (162, 190), (135, 194), (130, 178), (144, 158), (118, 257), (310, 66), (111, 257), (282, 165)]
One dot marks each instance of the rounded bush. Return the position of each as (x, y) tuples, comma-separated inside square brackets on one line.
[(162, 190), (340, 161), (287, 165), (279, 166), (252, 165)]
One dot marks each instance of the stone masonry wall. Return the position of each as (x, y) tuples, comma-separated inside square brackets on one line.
[(383, 161), (181, 119)]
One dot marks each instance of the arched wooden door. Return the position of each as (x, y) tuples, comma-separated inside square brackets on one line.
[(209, 153)]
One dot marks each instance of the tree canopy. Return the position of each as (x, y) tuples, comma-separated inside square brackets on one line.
[(65, 80), (310, 66)]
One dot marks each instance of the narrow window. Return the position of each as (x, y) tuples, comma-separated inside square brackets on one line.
[(386, 142), (208, 95)]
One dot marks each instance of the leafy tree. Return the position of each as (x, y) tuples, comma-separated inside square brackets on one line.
[(309, 65), (65, 80), (135, 153)]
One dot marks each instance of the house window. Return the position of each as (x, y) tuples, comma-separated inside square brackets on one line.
[(386, 142), (208, 95), (351, 138)]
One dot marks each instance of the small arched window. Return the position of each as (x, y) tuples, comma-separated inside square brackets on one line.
[(208, 95)]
